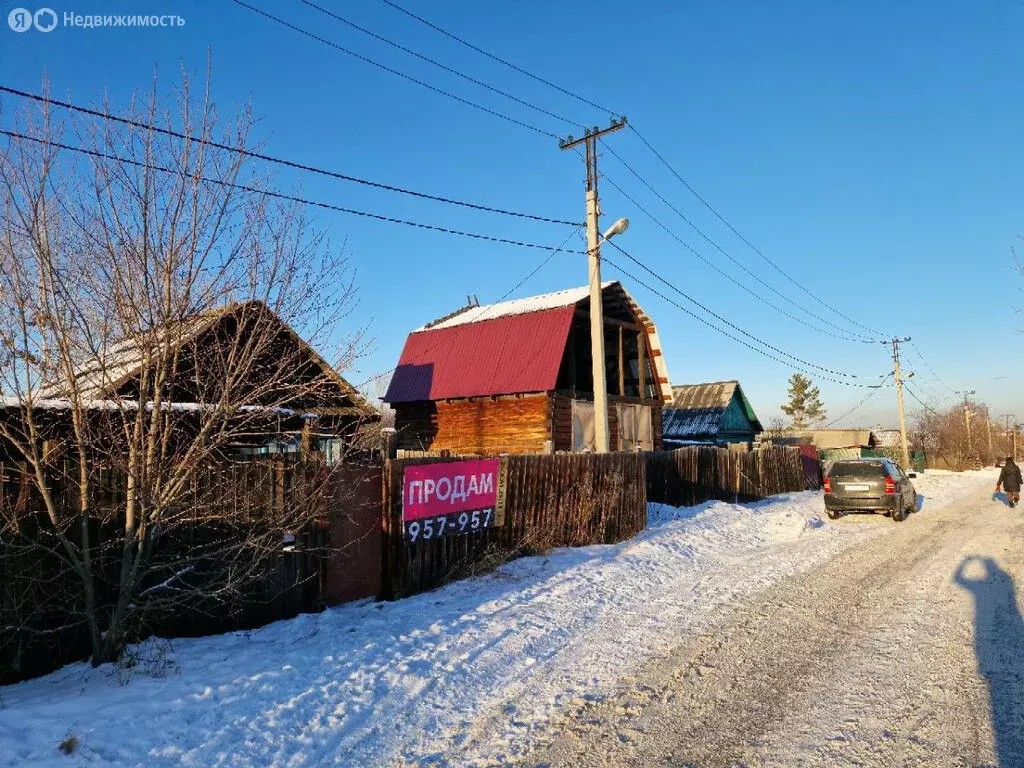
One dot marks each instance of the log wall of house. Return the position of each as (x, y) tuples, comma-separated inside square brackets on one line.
[(479, 426)]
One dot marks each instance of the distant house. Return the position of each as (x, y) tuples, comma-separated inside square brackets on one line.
[(716, 412), (828, 439), (516, 377)]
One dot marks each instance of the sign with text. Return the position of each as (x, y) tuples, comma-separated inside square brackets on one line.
[(451, 498)]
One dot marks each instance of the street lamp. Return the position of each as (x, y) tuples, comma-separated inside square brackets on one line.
[(617, 228)]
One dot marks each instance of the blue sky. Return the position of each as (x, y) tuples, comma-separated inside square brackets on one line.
[(871, 149)]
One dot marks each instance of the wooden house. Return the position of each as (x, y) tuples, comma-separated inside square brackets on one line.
[(715, 413), (312, 407), (516, 377)]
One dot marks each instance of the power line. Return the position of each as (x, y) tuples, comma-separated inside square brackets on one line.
[(725, 274), (438, 64), (920, 401), (277, 160), (484, 310), (394, 71), (917, 351), (738, 340), (279, 195), (729, 256), (854, 409), (750, 245), (498, 59), (788, 363)]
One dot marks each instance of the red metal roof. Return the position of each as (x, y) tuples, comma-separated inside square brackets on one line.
[(500, 356)]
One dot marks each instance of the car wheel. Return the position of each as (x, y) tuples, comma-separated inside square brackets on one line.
[(833, 514), (899, 515)]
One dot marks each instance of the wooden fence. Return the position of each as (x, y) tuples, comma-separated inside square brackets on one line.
[(359, 549), (41, 620), (561, 500), (692, 475)]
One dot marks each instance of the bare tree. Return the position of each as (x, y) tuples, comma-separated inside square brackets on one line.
[(147, 292), (949, 442)]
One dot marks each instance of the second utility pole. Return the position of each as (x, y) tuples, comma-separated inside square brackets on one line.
[(967, 420), (590, 137), (899, 400)]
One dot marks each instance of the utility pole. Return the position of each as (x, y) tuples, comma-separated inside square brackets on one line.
[(590, 137), (1008, 436), (899, 399), (967, 420), (988, 429)]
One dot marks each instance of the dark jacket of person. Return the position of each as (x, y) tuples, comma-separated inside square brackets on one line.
[(1010, 477)]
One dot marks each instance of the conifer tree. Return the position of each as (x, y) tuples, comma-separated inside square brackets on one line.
[(804, 407)]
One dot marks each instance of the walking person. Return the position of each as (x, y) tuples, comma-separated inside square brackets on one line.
[(1010, 480)]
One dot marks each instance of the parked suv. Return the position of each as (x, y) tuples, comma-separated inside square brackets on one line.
[(869, 485)]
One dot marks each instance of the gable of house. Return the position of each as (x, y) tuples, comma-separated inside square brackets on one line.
[(200, 342)]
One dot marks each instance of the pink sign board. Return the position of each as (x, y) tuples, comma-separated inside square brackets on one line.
[(434, 490)]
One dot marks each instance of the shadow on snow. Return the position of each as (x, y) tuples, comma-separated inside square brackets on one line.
[(999, 646)]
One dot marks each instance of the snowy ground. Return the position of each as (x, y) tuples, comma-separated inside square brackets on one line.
[(471, 674)]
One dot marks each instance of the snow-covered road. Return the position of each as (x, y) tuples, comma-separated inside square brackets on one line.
[(906, 651), (499, 669)]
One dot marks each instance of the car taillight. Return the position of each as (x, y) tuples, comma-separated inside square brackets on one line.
[(828, 485), (890, 486)]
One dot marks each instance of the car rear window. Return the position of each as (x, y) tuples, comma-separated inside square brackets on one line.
[(857, 469)]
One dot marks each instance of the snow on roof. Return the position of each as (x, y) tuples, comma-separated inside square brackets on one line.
[(100, 376), (523, 306), (65, 404), (699, 409)]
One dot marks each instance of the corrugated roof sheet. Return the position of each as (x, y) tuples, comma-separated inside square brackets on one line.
[(715, 394), (497, 356), (691, 422), (567, 298), (517, 352)]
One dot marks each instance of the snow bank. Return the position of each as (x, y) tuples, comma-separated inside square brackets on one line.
[(460, 676)]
